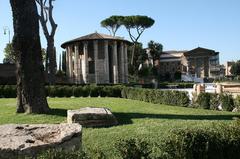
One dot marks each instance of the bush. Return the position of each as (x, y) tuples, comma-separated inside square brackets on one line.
[(78, 91), (177, 98), (57, 154), (227, 102), (221, 141), (212, 101), (133, 148), (8, 91), (94, 91), (203, 101), (237, 101)]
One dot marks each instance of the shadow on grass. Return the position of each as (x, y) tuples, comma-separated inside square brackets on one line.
[(58, 112), (126, 118)]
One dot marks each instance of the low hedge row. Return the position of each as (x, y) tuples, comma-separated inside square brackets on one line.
[(9, 91), (84, 91), (212, 101), (221, 141), (176, 98)]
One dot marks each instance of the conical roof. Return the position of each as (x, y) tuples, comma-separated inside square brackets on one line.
[(94, 36)]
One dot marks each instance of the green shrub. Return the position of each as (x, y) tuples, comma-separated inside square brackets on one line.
[(94, 91), (221, 142), (177, 98), (68, 91), (61, 154), (237, 101), (203, 100), (214, 101), (86, 91), (78, 91), (227, 102), (133, 148), (8, 91), (52, 91)]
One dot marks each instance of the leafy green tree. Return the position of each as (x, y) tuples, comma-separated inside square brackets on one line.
[(138, 24), (10, 57), (155, 50), (112, 24), (9, 54), (235, 70)]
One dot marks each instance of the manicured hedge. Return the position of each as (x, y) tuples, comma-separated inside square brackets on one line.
[(177, 98), (221, 141), (8, 91), (84, 91), (212, 101)]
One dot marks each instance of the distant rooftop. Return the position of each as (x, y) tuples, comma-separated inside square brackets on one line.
[(175, 51)]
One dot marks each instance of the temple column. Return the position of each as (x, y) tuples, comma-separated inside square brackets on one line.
[(80, 66), (187, 62), (115, 63), (125, 64), (85, 64), (95, 47), (67, 62), (70, 63), (76, 63), (122, 63), (106, 61)]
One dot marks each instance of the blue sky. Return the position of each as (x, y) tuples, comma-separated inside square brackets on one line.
[(179, 24)]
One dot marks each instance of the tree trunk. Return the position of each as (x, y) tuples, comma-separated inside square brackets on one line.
[(26, 43), (52, 60), (133, 53)]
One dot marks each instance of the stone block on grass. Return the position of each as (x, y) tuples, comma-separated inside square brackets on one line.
[(22, 140), (92, 117)]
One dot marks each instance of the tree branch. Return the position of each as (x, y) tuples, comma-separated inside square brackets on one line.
[(52, 22), (42, 18)]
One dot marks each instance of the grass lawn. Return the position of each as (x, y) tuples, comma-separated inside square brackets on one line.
[(137, 119)]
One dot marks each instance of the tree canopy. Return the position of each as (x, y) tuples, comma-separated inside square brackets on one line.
[(138, 23), (155, 49), (112, 24), (9, 56), (235, 70), (135, 25)]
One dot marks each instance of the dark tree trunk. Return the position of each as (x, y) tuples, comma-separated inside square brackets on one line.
[(52, 60), (26, 44)]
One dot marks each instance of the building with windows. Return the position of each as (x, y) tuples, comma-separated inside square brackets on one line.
[(193, 65), (97, 58)]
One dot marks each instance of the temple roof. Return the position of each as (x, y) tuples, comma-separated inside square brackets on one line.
[(200, 49), (194, 51), (94, 36)]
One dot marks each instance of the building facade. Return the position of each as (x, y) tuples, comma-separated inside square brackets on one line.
[(193, 65), (97, 58)]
